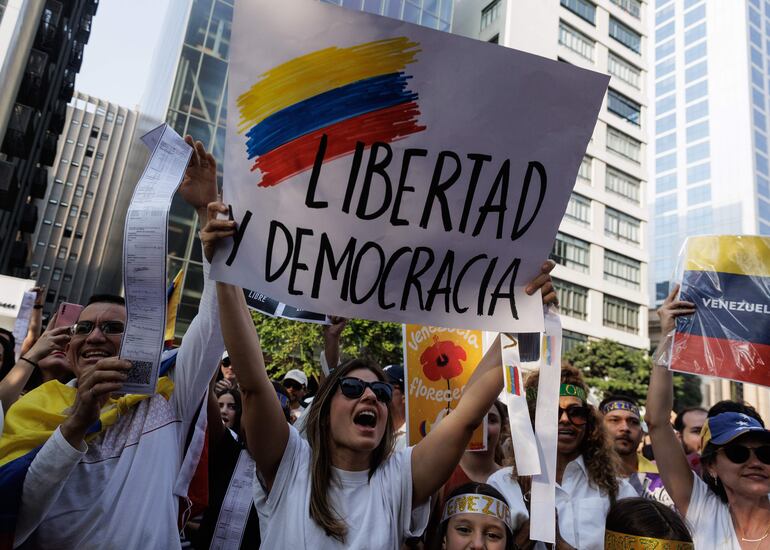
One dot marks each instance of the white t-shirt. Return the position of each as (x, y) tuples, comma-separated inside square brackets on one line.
[(582, 508), (709, 519), (400, 435), (118, 490), (378, 512)]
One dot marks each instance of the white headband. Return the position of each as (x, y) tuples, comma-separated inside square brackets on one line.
[(474, 503)]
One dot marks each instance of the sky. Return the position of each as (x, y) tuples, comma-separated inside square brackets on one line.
[(119, 53)]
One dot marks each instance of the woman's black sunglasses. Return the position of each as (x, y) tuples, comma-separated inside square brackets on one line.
[(353, 388), (577, 414), (738, 454)]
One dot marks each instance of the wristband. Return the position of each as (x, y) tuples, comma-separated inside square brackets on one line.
[(37, 306), (30, 361)]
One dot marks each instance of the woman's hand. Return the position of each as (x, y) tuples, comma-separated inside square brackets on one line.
[(215, 229), (53, 339), (671, 309)]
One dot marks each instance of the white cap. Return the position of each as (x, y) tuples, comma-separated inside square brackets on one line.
[(296, 375), (225, 356)]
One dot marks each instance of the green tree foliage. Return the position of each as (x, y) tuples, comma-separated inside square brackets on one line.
[(610, 367), (294, 345)]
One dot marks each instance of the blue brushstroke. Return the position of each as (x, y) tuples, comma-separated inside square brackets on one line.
[(358, 98)]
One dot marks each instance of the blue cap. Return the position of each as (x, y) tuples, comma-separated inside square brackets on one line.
[(724, 427), (395, 374)]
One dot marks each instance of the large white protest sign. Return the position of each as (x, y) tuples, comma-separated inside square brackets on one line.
[(382, 170)]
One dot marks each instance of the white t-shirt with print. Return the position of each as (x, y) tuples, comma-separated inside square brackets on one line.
[(582, 508), (378, 512)]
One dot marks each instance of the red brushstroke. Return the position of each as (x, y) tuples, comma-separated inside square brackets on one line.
[(386, 125), (737, 360)]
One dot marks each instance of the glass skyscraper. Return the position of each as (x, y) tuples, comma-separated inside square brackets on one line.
[(198, 107), (710, 106)]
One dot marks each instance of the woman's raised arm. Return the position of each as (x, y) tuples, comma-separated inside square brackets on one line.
[(264, 423), (669, 454)]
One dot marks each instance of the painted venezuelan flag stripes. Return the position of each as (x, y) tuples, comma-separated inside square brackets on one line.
[(728, 279), (356, 94)]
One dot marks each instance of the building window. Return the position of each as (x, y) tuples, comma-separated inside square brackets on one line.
[(62, 253), (90, 151), (73, 212), (101, 111), (573, 299), (68, 231), (570, 340), (58, 181), (634, 7), (621, 269), (74, 256), (490, 13), (110, 116), (621, 226), (105, 137), (100, 155), (584, 172), (582, 8), (56, 275), (624, 107), (84, 215), (625, 35), (84, 170), (622, 69), (579, 209), (119, 120), (571, 252), (67, 277), (576, 41), (53, 201), (78, 190), (623, 144), (95, 132), (89, 194), (621, 314), (622, 184)]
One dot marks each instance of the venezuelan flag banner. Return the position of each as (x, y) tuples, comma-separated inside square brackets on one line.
[(728, 279), (173, 297)]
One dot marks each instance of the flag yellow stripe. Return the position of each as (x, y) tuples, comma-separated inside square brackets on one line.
[(312, 74), (736, 254)]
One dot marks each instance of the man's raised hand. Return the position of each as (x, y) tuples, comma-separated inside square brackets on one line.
[(199, 186)]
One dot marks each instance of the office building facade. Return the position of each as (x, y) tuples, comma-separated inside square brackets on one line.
[(601, 246), (41, 52), (710, 156), (80, 206), (198, 106)]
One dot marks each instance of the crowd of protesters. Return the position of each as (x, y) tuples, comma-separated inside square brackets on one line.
[(221, 456)]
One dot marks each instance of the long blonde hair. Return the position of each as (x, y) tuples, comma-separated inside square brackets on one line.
[(318, 429)]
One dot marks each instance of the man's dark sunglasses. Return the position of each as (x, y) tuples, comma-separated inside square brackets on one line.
[(738, 454), (577, 414), (353, 388), (84, 328), (226, 362), (292, 385)]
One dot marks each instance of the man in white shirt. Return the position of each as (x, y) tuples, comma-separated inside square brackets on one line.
[(395, 374), (116, 489)]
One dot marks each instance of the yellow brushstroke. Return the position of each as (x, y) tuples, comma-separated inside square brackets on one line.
[(321, 71)]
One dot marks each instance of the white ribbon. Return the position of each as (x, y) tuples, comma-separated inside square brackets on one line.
[(543, 502)]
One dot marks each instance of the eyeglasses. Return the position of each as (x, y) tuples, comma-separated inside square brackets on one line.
[(84, 328), (738, 454), (577, 414), (353, 388)]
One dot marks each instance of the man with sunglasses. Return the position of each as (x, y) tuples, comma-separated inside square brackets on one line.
[(623, 424), (295, 382), (106, 475)]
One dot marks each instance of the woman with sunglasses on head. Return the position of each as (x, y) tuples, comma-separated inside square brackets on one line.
[(729, 508), (475, 516), (587, 470), (343, 487)]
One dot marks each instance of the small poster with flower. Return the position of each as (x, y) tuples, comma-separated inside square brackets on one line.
[(438, 364)]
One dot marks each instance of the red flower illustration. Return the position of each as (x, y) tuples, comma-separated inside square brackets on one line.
[(442, 360)]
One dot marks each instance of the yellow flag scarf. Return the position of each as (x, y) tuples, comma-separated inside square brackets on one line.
[(35, 416)]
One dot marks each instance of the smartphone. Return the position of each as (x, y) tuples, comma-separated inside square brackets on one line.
[(67, 314)]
